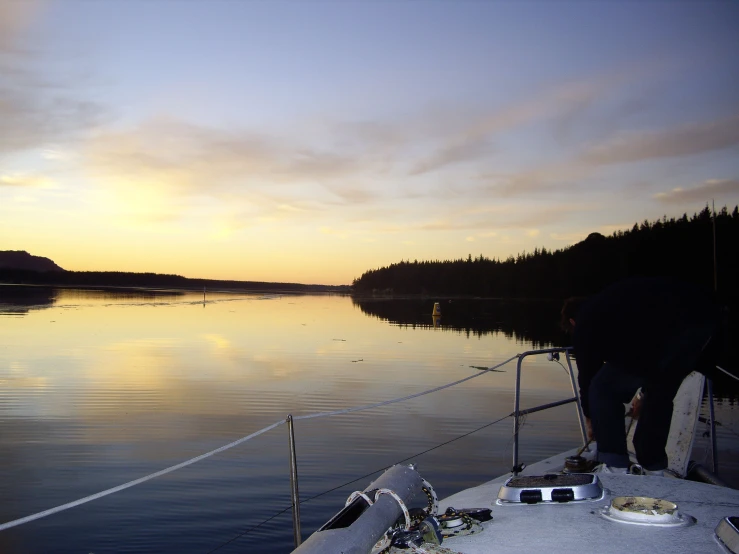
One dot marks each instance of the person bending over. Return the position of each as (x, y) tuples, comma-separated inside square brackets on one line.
[(648, 333)]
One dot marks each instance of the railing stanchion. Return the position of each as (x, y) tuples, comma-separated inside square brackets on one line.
[(517, 397), (576, 392), (714, 446), (294, 482)]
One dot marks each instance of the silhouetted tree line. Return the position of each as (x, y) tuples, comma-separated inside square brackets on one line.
[(149, 280), (681, 248)]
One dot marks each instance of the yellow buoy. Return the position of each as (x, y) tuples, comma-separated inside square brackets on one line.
[(437, 309)]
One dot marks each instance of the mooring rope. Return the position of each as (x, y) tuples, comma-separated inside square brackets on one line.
[(360, 478), (191, 461), (410, 396), (124, 486), (727, 373)]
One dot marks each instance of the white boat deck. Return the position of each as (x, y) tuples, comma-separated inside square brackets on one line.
[(581, 527)]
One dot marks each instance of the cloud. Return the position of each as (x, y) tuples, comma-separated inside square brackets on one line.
[(14, 19), (178, 157), (701, 193), (36, 108), (579, 171), (25, 180), (267, 177), (352, 194), (562, 103), (549, 177), (459, 150), (32, 116), (685, 140), (57, 155), (528, 219), (568, 237), (183, 159)]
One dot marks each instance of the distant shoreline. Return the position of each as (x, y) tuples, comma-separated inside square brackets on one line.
[(151, 281), (165, 290)]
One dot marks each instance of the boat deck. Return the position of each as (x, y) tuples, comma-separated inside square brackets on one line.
[(582, 527)]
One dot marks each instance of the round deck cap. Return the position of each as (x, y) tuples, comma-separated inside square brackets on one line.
[(643, 510)]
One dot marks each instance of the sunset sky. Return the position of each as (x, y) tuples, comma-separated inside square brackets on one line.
[(309, 141)]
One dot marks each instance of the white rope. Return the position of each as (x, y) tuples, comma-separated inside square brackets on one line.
[(396, 400), (727, 373), (400, 502), (358, 494), (134, 482), (170, 469)]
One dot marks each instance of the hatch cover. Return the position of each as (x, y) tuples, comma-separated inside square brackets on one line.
[(551, 488)]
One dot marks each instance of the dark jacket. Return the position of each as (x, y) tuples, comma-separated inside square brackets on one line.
[(632, 323)]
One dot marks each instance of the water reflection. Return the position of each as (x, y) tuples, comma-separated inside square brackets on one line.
[(18, 301), (534, 321)]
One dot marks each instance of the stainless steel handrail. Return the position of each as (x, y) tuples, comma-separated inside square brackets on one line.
[(294, 493), (517, 412), (714, 447)]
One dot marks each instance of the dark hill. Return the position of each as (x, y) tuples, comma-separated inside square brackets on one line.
[(19, 267), (20, 259)]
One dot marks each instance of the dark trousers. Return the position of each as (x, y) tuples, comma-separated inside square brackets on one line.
[(615, 384)]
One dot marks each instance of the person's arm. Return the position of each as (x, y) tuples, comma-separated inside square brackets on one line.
[(588, 363), (585, 374), (589, 429), (586, 369)]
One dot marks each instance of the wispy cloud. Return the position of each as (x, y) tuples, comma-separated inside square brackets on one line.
[(14, 19), (561, 104), (578, 172), (558, 176), (685, 140), (184, 159), (568, 237), (36, 108), (511, 216), (25, 180), (701, 193)]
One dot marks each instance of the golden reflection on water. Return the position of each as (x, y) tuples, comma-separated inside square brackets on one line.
[(138, 343), (158, 366)]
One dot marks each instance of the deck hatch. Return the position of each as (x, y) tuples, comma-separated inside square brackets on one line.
[(550, 488)]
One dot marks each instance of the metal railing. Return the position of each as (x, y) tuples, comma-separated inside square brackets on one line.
[(517, 412)]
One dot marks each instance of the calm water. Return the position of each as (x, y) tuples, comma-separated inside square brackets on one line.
[(99, 388)]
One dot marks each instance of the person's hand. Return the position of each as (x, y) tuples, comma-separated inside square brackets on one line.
[(589, 429), (636, 406)]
